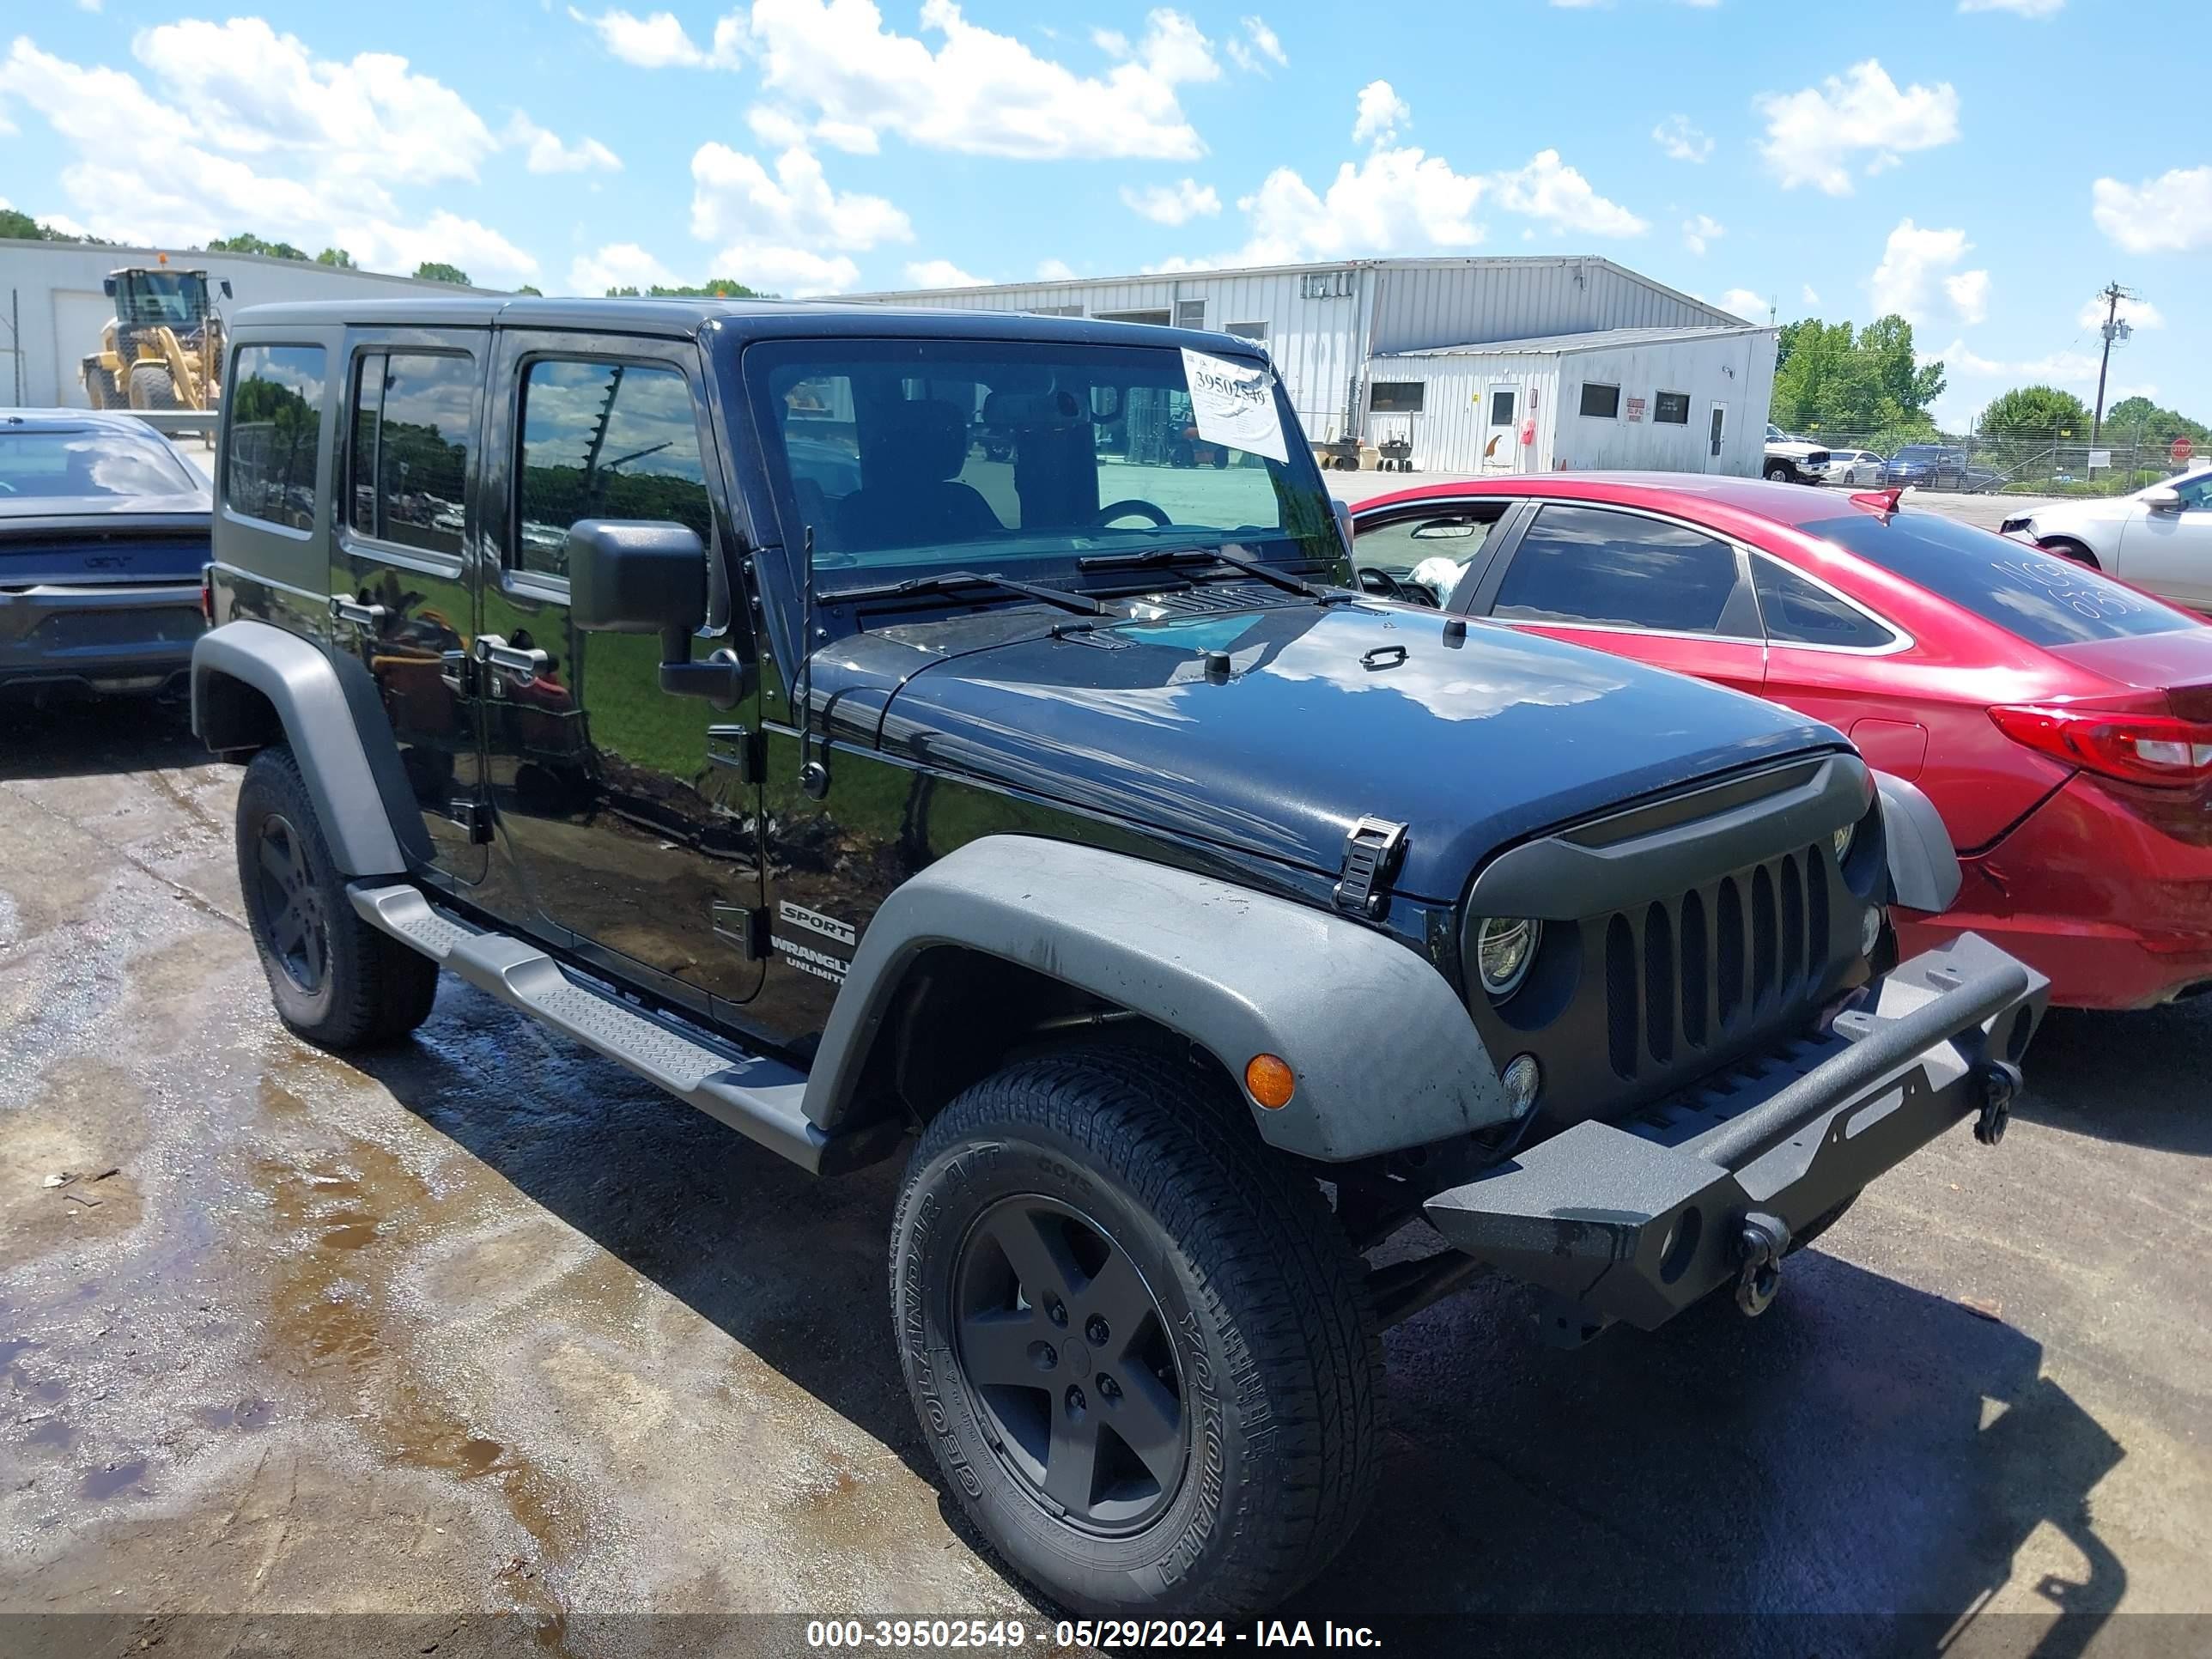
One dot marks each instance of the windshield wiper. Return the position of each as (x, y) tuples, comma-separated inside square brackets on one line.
[(950, 580), (1165, 557)]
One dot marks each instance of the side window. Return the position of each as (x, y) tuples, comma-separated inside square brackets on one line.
[(1799, 612), (1433, 549), (604, 440), (276, 399), (407, 475), (2196, 493), (1585, 564)]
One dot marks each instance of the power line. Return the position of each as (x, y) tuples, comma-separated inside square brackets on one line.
[(2114, 329)]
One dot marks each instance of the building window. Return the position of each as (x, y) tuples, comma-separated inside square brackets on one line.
[(1190, 313), (1249, 332), (412, 415), (1055, 310), (1671, 409), (604, 440), (276, 397), (1132, 316), (1602, 402), (1396, 397)]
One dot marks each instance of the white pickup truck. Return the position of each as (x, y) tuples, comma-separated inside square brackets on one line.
[(1793, 460)]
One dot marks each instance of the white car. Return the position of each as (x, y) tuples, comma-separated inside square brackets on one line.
[(1855, 467), (2159, 539)]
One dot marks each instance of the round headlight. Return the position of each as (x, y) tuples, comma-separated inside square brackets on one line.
[(1504, 948), (1843, 838)]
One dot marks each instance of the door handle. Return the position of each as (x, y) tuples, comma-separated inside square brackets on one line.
[(347, 609), (498, 654)]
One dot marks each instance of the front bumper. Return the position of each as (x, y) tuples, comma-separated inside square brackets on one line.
[(1637, 1220)]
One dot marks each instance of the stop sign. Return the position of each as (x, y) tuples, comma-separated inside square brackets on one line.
[(2182, 449)]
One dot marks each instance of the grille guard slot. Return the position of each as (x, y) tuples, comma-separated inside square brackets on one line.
[(1636, 1221)]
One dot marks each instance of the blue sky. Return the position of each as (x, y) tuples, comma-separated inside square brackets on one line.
[(1832, 161)]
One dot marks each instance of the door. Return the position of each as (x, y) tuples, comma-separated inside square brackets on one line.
[(1716, 421), (2170, 553), (1501, 447), (400, 599), (1635, 584), (627, 816)]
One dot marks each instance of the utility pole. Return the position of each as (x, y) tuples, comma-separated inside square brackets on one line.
[(2114, 330)]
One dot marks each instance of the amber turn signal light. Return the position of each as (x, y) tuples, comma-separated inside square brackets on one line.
[(1268, 1076)]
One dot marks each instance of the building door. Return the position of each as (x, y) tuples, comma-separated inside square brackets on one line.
[(1717, 420), (1501, 430), (627, 820)]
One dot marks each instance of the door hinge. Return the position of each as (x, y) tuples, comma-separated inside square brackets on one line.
[(475, 816), (743, 750), (1372, 853), (461, 673), (744, 926)]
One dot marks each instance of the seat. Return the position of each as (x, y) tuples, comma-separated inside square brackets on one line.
[(910, 494)]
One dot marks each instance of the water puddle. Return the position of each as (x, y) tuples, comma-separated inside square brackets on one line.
[(100, 1484)]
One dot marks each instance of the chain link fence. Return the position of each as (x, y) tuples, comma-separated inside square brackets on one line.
[(2044, 461)]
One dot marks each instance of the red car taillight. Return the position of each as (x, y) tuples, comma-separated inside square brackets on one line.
[(207, 594), (2157, 750)]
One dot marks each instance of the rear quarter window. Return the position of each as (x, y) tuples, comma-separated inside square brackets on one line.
[(2043, 599), (275, 429)]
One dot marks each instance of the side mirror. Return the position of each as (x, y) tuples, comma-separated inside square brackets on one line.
[(1105, 403), (629, 576), (2164, 498), (107, 286), (1343, 509)]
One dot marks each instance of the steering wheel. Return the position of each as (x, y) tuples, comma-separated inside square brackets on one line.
[(1373, 579), (1143, 509)]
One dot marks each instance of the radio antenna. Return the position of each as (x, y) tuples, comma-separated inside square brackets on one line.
[(813, 775)]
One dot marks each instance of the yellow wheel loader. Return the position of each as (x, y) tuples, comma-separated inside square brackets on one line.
[(163, 349)]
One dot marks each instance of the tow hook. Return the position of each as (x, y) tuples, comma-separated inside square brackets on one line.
[(1759, 1248), (2000, 1085)]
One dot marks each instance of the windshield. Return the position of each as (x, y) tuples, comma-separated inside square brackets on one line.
[(63, 466), (2038, 596), (176, 298), (909, 457)]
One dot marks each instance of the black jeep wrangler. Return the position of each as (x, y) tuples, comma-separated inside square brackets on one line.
[(858, 723)]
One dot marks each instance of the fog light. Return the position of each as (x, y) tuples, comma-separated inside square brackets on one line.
[(1523, 1079), (1870, 930)]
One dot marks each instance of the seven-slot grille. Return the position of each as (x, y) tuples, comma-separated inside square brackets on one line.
[(1687, 976)]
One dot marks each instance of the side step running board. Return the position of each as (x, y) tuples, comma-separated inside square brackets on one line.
[(760, 1098)]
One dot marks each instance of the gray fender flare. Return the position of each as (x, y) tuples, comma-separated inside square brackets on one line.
[(1924, 865), (1384, 1054), (320, 723)]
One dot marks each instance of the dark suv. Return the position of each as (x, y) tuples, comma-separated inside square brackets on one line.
[(1929, 466), (694, 678)]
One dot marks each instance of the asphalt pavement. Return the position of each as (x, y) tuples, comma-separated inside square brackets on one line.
[(485, 1338)]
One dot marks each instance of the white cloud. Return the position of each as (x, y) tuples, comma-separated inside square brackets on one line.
[(1742, 302), (1812, 135), (1258, 42), (1548, 190), (618, 265), (774, 227), (1812, 294), (2170, 214), (1913, 262), (1700, 231), (544, 152), (1055, 270), (1682, 141), (660, 40), (255, 132), (977, 91), (2135, 313), (1172, 204), (942, 273), (1381, 113), (2018, 7)]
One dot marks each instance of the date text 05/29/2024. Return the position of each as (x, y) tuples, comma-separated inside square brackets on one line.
[(945, 1634)]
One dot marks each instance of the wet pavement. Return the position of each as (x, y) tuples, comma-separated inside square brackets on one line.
[(482, 1328)]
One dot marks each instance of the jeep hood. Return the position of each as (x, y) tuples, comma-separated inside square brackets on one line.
[(1275, 730)]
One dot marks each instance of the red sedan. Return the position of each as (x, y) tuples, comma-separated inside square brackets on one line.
[(2060, 722)]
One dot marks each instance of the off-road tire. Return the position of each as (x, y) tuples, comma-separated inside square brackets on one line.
[(1279, 1364), (369, 987), (99, 385), (151, 388)]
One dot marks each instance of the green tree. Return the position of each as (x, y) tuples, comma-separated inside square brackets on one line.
[(437, 271), (2138, 420), (336, 256), (1867, 384), (23, 227), (715, 288), (247, 242), (2041, 411)]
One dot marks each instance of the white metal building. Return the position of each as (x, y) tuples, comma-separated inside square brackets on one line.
[(52, 305), (1434, 351)]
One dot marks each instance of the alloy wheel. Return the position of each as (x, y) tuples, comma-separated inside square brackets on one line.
[(292, 905)]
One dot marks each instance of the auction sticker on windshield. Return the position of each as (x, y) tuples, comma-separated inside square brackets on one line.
[(1234, 404)]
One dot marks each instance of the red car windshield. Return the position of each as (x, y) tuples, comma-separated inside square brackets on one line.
[(2044, 599)]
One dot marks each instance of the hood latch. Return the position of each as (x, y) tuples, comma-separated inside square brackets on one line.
[(1372, 853)]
